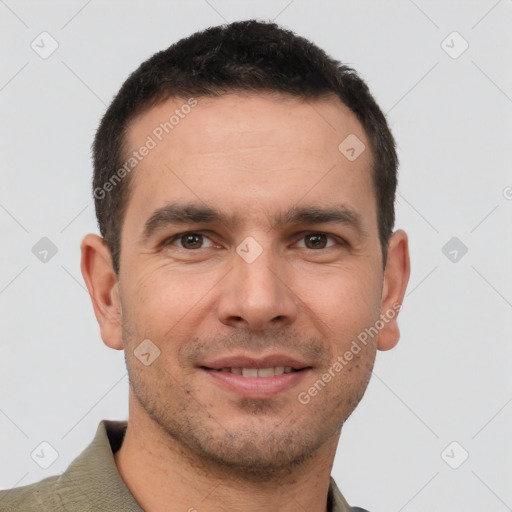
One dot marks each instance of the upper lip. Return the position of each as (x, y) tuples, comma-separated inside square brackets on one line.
[(244, 361)]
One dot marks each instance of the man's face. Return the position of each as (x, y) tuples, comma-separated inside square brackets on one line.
[(260, 281)]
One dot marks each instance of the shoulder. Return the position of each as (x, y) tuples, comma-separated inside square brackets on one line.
[(36, 497), (89, 483)]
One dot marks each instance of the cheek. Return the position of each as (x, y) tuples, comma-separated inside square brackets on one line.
[(165, 293), (164, 305), (345, 301)]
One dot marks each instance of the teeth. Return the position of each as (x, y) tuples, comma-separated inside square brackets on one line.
[(259, 372), (266, 372)]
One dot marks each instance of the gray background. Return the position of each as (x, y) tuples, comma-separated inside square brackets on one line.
[(449, 377)]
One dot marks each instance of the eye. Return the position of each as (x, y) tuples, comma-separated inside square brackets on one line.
[(317, 241), (190, 240)]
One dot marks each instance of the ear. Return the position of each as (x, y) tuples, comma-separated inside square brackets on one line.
[(103, 285), (396, 277)]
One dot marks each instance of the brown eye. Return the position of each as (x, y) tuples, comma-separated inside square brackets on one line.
[(191, 241), (316, 241)]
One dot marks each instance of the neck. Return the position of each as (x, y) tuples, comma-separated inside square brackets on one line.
[(159, 471)]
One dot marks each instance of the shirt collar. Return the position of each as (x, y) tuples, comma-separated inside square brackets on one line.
[(96, 480)]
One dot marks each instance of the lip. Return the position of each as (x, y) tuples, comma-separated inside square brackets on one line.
[(256, 387), (244, 361)]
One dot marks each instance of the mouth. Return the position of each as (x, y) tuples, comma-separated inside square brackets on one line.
[(271, 371), (250, 376), (251, 382)]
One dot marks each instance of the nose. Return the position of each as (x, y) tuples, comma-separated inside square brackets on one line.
[(258, 295)]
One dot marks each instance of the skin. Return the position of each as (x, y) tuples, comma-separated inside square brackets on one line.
[(190, 442)]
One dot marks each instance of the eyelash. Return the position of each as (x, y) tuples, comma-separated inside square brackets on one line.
[(178, 236)]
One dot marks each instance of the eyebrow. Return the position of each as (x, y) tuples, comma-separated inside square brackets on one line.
[(191, 213)]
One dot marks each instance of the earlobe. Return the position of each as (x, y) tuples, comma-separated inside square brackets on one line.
[(396, 277), (103, 287)]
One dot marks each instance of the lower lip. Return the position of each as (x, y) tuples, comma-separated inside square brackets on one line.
[(256, 387)]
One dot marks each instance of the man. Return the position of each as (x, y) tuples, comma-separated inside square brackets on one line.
[(244, 185)]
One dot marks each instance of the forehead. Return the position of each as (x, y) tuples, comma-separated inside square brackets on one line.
[(249, 119), (249, 152)]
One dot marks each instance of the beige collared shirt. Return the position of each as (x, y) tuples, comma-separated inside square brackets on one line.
[(92, 483)]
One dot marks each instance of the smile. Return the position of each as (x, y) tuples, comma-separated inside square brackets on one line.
[(256, 383), (259, 372)]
